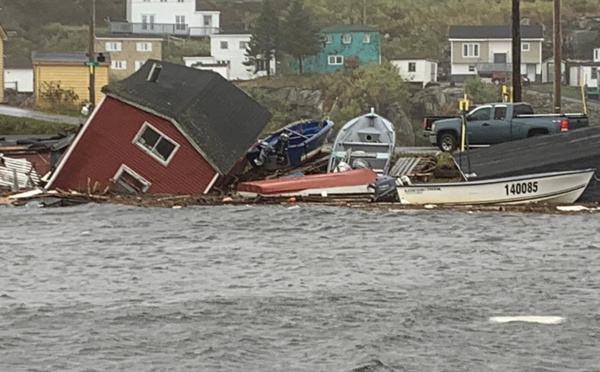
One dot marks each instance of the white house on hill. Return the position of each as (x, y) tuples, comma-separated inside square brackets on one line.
[(417, 70), (227, 57), (171, 17)]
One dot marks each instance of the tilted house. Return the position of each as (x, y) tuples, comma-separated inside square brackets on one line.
[(166, 128)]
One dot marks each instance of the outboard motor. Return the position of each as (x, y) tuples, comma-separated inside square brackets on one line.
[(281, 148), (265, 151), (385, 189)]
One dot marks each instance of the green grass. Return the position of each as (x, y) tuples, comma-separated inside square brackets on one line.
[(12, 125), (565, 90)]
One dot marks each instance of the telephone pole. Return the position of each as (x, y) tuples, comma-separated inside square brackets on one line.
[(364, 12), (557, 45), (92, 55), (516, 50)]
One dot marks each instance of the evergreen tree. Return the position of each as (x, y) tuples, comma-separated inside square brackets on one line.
[(301, 37), (265, 40)]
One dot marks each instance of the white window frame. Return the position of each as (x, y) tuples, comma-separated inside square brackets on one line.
[(224, 42), (138, 64), (113, 46), (123, 168), (414, 65), (245, 43), (597, 55), (328, 39), (525, 47), (472, 68), (143, 46), (180, 22), (333, 60), (471, 50), (136, 142), (347, 39), (207, 17), (367, 39), (118, 65)]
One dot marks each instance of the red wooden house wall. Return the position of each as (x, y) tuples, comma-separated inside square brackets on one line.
[(107, 142)]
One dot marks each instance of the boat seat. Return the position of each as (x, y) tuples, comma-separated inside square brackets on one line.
[(365, 144)]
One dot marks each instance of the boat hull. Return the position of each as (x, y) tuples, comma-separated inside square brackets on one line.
[(341, 183), (555, 188)]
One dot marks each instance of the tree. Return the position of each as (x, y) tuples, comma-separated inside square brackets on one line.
[(265, 40), (301, 37)]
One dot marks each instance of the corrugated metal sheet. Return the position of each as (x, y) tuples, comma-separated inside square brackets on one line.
[(26, 175), (571, 150)]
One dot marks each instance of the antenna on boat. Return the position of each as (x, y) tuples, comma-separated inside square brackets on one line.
[(372, 110)]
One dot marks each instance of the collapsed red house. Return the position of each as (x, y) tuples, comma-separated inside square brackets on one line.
[(165, 129)]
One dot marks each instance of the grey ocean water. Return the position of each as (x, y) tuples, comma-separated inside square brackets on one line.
[(99, 288)]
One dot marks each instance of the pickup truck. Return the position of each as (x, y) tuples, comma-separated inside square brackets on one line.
[(499, 122)]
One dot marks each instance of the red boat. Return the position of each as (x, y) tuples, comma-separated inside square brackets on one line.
[(341, 183)]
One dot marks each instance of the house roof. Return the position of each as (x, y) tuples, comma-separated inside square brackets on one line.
[(414, 59), (233, 32), (128, 36), (65, 57), (349, 28), (17, 63), (493, 32), (216, 116)]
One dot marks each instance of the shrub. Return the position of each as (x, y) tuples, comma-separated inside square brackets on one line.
[(57, 96)]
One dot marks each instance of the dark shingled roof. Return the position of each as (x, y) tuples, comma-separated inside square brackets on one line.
[(571, 150), (217, 116), (349, 28), (493, 32)]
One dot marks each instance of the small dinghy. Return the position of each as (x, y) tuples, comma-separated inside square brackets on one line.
[(555, 187), (369, 138), (290, 145), (352, 182)]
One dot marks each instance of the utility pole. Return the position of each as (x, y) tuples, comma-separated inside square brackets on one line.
[(92, 55), (557, 44), (364, 12), (516, 50)]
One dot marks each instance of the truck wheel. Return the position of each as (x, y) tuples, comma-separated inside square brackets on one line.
[(535, 133), (447, 142)]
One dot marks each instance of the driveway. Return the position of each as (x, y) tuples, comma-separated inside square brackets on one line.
[(38, 115)]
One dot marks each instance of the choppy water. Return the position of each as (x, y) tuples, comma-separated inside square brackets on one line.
[(100, 288)]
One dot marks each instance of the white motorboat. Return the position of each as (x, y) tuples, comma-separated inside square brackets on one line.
[(553, 187)]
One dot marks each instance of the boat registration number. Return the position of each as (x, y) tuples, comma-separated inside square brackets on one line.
[(521, 188)]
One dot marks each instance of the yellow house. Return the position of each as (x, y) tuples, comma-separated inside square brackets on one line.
[(2, 38), (71, 71)]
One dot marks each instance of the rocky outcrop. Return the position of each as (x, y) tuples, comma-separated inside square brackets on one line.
[(405, 133)]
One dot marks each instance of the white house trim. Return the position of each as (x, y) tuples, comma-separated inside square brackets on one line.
[(475, 39), (73, 145), (211, 184), (136, 142)]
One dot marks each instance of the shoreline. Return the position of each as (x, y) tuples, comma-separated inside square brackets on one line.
[(168, 201)]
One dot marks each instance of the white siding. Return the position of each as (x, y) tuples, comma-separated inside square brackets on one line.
[(19, 79), (166, 13), (582, 75), (235, 55), (462, 69), (424, 70)]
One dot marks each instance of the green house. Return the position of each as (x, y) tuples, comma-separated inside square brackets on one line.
[(344, 46)]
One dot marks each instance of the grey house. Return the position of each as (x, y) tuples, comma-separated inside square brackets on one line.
[(487, 51)]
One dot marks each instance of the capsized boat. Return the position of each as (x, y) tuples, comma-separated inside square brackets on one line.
[(290, 145), (357, 181), (369, 138), (553, 187)]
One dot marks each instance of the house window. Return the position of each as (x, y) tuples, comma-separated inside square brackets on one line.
[(113, 47), (180, 22), (156, 144), (144, 47), (163, 1), (147, 22), (139, 64), (412, 67), (180, 1), (597, 55), (594, 73), (243, 45), (328, 39), (366, 39), (336, 60), (525, 47), (471, 68), (207, 20), (118, 65), (471, 50), (347, 39), (128, 181), (224, 45)]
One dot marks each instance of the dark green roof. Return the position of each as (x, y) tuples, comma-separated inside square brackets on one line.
[(350, 28)]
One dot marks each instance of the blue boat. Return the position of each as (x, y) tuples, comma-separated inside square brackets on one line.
[(290, 145)]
